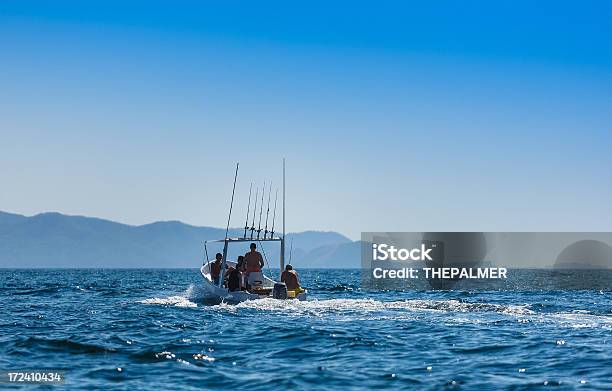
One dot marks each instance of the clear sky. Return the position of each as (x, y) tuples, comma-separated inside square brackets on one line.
[(394, 116)]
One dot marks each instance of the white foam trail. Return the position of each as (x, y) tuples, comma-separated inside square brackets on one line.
[(370, 309), (579, 320), (196, 292), (177, 301), (192, 295), (367, 306)]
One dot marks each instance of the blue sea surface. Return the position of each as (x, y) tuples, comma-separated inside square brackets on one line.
[(145, 329)]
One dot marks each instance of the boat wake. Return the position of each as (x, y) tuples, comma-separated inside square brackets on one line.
[(350, 309), (447, 311), (176, 301), (192, 296), (356, 306), (370, 309)]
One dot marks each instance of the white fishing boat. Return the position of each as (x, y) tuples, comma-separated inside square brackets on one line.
[(257, 285)]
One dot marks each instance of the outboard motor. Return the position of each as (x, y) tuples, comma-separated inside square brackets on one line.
[(256, 280), (279, 291)]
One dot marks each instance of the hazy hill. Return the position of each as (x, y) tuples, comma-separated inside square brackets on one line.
[(56, 240)]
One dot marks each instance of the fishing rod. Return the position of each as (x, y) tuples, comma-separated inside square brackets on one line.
[(291, 250), (263, 191), (206, 252), (268, 211), (274, 215), (232, 202), (253, 223), (267, 264), (246, 224), (224, 264)]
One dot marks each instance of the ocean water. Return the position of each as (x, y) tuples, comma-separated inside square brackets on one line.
[(152, 329)]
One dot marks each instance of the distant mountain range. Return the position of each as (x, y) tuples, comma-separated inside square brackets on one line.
[(57, 240)]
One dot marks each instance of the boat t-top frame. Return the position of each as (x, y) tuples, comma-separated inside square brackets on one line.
[(252, 229), (227, 241)]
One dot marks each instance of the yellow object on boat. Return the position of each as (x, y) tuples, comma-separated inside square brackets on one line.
[(292, 293)]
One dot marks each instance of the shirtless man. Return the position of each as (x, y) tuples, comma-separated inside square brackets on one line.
[(291, 279), (253, 260)]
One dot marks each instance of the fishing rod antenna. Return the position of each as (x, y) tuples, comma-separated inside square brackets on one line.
[(246, 224), (282, 254), (229, 217), (268, 211), (274, 214), (232, 202), (263, 192), (253, 222)]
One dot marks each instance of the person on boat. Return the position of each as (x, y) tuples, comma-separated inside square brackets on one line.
[(241, 266), (253, 260), (234, 277), (215, 268), (291, 279), (227, 273)]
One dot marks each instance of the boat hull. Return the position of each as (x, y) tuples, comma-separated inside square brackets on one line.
[(221, 293)]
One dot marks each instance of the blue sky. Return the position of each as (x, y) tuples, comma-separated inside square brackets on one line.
[(394, 116)]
